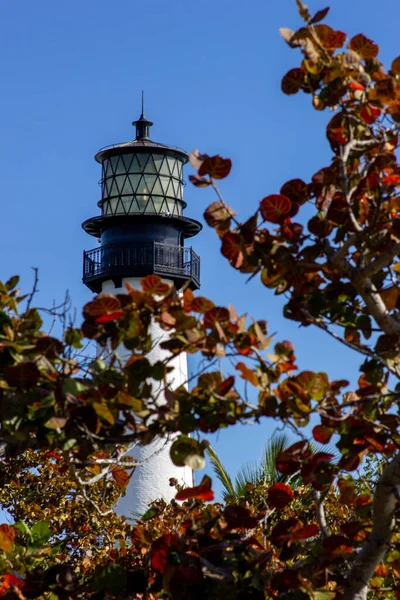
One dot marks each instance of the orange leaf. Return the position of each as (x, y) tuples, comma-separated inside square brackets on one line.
[(7, 535), (202, 491), (396, 66), (275, 207), (363, 46), (247, 374), (152, 284), (120, 476), (390, 297)]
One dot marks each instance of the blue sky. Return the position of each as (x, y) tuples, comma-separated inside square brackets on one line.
[(72, 73)]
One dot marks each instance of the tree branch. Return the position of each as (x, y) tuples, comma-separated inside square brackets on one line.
[(377, 545)]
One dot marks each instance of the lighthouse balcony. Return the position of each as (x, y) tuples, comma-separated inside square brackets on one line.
[(116, 261)]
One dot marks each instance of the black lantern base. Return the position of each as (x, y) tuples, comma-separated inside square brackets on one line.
[(178, 263)]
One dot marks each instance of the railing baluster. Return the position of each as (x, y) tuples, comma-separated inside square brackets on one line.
[(165, 259)]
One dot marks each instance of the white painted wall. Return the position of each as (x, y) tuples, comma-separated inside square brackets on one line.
[(151, 480)]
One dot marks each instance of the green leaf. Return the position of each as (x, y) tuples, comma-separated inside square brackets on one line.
[(41, 531), (73, 338), (23, 528), (73, 386), (12, 283), (111, 577), (69, 444)]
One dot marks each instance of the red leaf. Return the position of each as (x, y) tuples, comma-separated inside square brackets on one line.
[(296, 190), (369, 113), (198, 181), (338, 212), (152, 284), (284, 529), (201, 304), (280, 495), (330, 39), (337, 545), (216, 167), (288, 461), (202, 491), (111, 317), (160, 549), (355, 86), (275, 207), (363, 46), (293, 81), (10, 581), (239, 517), (22, 375), (391, 180), (103, 304), (218, 314), (232, 248), (321, 14), (322, 434), (305, 532)]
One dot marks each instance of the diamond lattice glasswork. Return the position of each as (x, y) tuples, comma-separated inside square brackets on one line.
[(142, 183)]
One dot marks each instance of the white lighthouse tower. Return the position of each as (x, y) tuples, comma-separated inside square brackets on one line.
[(142, 231)]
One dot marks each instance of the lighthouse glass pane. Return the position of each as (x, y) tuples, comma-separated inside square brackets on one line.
[(119, 168), (142, 158), (164, 183), (134, 166), (142, 202), (134, 182), (127, 158), (171, 164), (150, 181), (158, 158), (120, 180), (157, 202), (150, 167), (170, 190), (127, 187), (113, 205), (178, 190), (126, 203), (164, 170), (157, 189)]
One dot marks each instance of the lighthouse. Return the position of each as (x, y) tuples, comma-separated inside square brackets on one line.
[(141, 230)]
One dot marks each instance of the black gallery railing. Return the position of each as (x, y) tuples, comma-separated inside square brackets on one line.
[(140, 259)]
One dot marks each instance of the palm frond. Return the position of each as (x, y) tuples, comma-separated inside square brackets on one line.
[(248, 473), (275, 445), (221, 474)]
